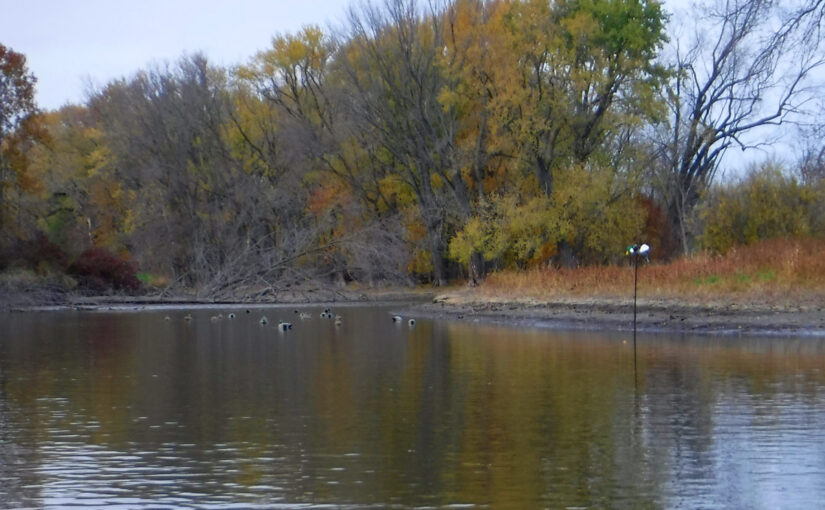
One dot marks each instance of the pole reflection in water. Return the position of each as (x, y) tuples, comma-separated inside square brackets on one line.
[(125, 408)]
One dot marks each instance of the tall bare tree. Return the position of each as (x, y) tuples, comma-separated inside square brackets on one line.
[(394, 81), (740, 70)]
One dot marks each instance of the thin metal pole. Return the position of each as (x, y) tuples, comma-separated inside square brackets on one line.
[(635, 280)]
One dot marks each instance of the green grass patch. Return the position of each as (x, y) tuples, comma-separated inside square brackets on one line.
[(765, 276), (153, 280)]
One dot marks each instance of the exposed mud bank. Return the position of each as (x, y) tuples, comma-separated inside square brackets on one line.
[(617, 314)]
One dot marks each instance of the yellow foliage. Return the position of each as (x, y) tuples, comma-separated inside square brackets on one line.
[(421, 261), (508, 229), (766, 204), (92, 202), (585, 211), (394, 188)]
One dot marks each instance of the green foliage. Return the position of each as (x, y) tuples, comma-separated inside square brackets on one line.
[(59, 220), (765, 275), (710, 280)]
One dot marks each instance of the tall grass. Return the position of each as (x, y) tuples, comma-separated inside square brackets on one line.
[(767, 271)]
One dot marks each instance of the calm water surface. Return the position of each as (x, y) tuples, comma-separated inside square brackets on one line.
[(124, 408)]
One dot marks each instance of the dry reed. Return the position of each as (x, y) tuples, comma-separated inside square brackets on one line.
[(763, 272)]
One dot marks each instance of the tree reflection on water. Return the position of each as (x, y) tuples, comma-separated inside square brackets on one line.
[(126, 408)]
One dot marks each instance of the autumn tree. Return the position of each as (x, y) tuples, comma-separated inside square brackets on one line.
[(415, 141), (17, 124), (393, 82), (475, 62), (582, 71), (291, 93), (166, 131), (83, 202), (569, 85)]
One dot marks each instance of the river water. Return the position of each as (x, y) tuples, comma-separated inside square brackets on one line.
[(126, 408)]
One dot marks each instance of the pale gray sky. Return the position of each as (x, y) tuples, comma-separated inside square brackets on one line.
[(67, 43), (70, 43)]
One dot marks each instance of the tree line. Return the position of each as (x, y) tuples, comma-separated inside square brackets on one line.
[(414, 144)]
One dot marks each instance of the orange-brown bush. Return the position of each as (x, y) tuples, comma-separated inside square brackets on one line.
[(764, 271)]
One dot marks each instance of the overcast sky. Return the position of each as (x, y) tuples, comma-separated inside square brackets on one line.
[(69, 43)]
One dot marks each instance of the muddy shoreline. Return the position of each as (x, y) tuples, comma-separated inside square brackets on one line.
[(652, 315)]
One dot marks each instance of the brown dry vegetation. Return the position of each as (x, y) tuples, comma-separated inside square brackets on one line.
[(766, 272)]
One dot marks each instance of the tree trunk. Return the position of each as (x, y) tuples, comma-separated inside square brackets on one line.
[(544, 176), (476, 268), (436, 246)]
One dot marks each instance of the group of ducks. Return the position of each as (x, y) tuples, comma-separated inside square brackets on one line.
[(283, 325), (263, 321)]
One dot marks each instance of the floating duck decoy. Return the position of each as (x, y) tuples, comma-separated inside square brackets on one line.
[(339, 320), (264, 321), (167, 318), (397, 318), (187, 317), (283, 326), (411, 322), (231, 315)]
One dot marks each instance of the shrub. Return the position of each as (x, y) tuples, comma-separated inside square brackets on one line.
[(99, 270), (767, 204), (38, 254)]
